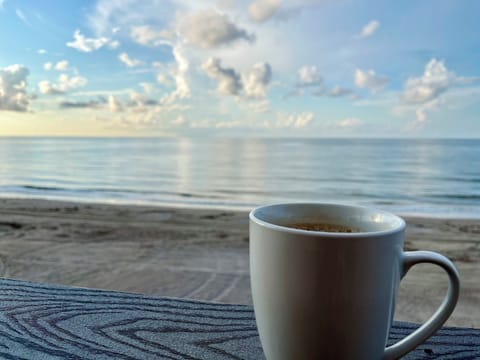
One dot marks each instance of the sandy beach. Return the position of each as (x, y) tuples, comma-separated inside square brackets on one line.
[(200, 253)]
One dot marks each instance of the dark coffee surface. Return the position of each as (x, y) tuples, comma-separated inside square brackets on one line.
[(323, 227)]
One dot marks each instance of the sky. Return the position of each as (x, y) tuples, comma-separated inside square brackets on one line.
[(315, 68)]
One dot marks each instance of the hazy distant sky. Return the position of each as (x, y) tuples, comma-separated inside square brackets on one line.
[(234, 67)]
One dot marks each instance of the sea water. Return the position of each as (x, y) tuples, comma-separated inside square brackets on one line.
[(409, 176)]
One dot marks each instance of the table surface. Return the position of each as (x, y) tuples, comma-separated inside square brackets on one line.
[(39, 321)]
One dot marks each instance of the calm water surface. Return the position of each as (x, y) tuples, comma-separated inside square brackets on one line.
[(431, 177)]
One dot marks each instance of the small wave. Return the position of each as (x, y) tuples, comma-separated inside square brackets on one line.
[(84, 190), (457, 196), (41, 188), (461, 179), (29, 189)]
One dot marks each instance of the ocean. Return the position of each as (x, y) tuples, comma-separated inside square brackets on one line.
[(414, 176)]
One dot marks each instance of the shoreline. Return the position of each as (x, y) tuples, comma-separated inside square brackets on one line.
[(200, 253), (471, 215)]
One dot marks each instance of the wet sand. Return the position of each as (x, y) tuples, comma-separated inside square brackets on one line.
[(200, 253)]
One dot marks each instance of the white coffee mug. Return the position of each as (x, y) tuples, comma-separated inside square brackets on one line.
[(326, 295)]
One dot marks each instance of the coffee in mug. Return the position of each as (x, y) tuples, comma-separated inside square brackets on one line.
[(310, 226)]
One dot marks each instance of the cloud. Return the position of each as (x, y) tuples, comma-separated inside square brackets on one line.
[(421, 111), (162, 79), (63, 85), (303, 119), (109, 15), (139, 110), (114, 105), (46, 88), (309, 76), (259, 106), (209, 29), (114, 44), (62, 65), (41, 51), (338, 91), (350, 123), (135, 104), (179, 74), (84, 44), (22, 17), (256, 80), (147, 87), (228, 80), (13, 88), (334, 92), (369, 80), (226, 4), (369, 29), (297, 121), (148, 36), (124, 58), (140, 102), (262, 10), (425, 91), (91, 104), (435, 80), (59, 66)]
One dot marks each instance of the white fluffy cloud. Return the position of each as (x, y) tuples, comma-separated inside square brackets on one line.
[(64, 84), (262, 10), (61, 65), (434, 81), (124, 58), (370, 80), (228, 80), (114, 105), (210, 29), (179, 74), (425, 91), (149, 36), (256, 80), (13, 88), (309, 76), (84, 44), (370, 29)]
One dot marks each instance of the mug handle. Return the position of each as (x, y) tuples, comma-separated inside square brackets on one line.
[(407, 344)]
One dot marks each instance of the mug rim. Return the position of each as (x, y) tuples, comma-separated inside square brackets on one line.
[(364, 234)]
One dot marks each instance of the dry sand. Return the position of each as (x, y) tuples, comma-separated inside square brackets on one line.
[(200, 254)]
